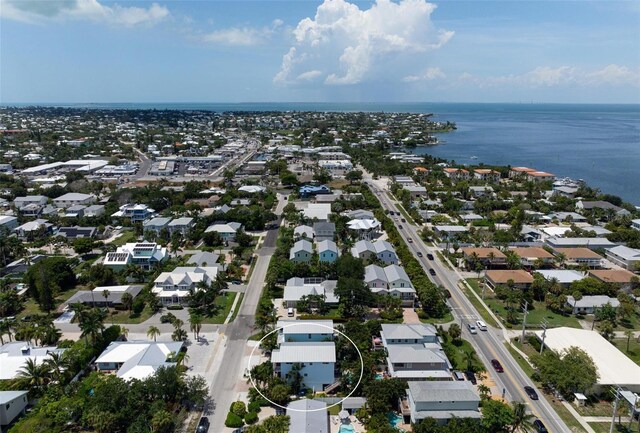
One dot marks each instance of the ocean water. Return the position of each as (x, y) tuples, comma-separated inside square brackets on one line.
[(597, 143)]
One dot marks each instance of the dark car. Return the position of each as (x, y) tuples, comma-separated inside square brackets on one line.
[(539, 426), (403, 220), (400, 227), (419, 254), (533, 395), (410, 240), (432, 271), (497, 366), (470, 376), (203, 425), (430, 256)]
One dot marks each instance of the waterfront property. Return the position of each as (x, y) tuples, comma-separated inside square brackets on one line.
[(137, 359)]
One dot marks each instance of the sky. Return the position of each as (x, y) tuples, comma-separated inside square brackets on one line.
[(544, 51)]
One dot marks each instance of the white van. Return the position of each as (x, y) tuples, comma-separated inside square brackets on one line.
[(290, 312), (481, 325)]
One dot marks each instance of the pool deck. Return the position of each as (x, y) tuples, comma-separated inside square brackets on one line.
[(335, 424)]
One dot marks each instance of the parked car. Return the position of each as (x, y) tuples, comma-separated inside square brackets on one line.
[(533, 395), (497, 366), (458, 375), (481, 325), (432, 272), (203, 425), (471, 377), (419, 254), (472, 328), (539, 426), (430, 256)]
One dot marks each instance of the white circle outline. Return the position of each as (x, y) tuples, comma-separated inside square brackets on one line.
[(297, 324)]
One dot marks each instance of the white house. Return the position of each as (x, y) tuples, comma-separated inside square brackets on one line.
[(588, 304), (305, 331), (316, 359), (156, 224), (380, 249), (14, 356), (181, 225), (625, 257), (364, 228), (391, 280), (74, 198), (35, 228), (296, 288), (134, 212), (308, 416), (303, 232), (12, 405), (21, 202), (143, 254), (327, 251), (441, 401), (635, 224), (137, 359), (227, 231), (301, 251), (172, 288), (8, 223)]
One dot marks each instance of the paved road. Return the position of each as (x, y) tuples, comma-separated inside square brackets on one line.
[(489, 345), (145, 165)]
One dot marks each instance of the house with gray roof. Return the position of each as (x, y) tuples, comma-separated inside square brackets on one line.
[(380, 249), (589, 304), (441, 401), (327, 251), (625, 257), (227, 231), (203, 258), (308, 416), (12, 405), (297, 288), (156, 224), (137, 359), (74, 198), (408, 334), (417, 362), (303, 231), (324, 230), (316, 359), (301, 251), (180, 225), (391, 280)]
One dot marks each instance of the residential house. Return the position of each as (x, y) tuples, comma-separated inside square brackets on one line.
[(301, 251), (540, 176), (303, 231), (324, 231), (94, 211), (529, 256), (441, 401), (364, 229), (591, 243), (625, 257), (486, 175), (74, 198), (181, 225), (449, 232), (488, 257), (96, 296), (143, 254), (12, 405), (312, 190), (456, 174), (635, 224), (360, 214), (156, 224), (415, 191), (203, 259), (297, 288), (567, 216), (391, 280), (382, 250), (138, 359), (520, 173), (34, 229), (134, 212), (227, 231), (580, 256), (530, 234), (521, 279), (173, 288), (302, 331), (481, 191), (39, 200), (14, 356), (316, 359), (327, 251), (308, 416), (75, 211), (589, 304), (77, 232), (619, 277), (564, 277), (8, 224), (605, 206)]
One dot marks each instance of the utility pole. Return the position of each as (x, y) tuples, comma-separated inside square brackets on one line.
[(615, 409), (544, 335), (524, 319)]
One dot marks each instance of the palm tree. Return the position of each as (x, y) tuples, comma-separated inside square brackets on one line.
[(179, 334), (561, 259), (195, 321), (522, 420), (92, 324), (105, 294), (153, 332), (127, 301), (33, 375), (57, 363)]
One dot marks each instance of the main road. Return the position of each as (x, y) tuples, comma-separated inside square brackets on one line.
[(490, 344)]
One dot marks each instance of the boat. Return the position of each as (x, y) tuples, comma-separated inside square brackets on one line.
[(473, 157)]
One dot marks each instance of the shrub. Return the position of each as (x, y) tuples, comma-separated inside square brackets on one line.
[(238, 408), (254, 406), (251, 417), (138, 306), (175, 307), (233, 421)]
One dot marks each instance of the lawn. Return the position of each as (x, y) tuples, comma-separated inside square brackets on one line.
[(31, 307), (126, 317), (634, 348), (224, 302), (535, 317), (458, 349), (235, 312), (126, 237), (603, 427), (488, 319), (434, 321)]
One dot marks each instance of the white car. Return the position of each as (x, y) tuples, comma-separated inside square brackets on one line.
[(481, 325), (472, 328)]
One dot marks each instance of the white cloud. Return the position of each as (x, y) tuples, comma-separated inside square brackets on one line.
[(309, 75), (429, 74), (546, 76), (243, 36), (35, 12), (350, 45)]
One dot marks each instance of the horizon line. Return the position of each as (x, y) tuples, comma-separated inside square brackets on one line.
[(58, 103)]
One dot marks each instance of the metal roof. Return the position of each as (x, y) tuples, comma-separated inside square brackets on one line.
[(290, 352)]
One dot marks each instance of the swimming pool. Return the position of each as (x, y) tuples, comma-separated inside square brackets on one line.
[(346, 428), (379, 376), (395, 419)]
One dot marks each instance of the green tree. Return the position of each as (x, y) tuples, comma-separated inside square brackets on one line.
[(153, 332), (496, 416), (83, 245), (522, 420), (454, 331), (127, 301)]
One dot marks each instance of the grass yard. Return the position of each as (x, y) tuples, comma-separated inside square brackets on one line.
[(604, 427), (127, 236), (126, 317), (458, 350), (634, 348), (597, 408), (488, 319), (535, 317), (224, 301), (446, 319), (235, 312), (31, 307)]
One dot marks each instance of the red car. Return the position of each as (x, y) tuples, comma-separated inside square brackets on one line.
[(497, 366)]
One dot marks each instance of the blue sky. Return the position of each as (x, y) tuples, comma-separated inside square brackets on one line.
[(316, 51)]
